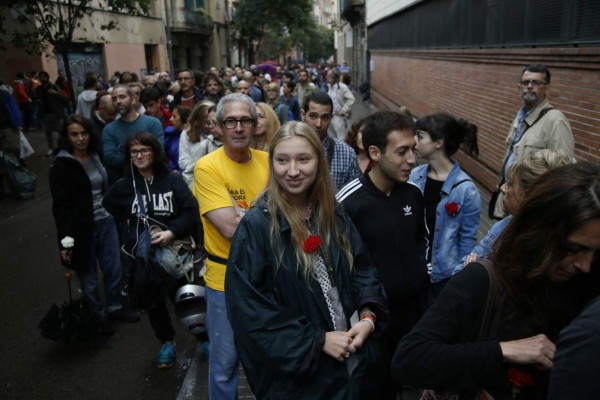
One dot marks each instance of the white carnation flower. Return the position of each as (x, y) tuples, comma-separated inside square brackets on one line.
[(67, 242)]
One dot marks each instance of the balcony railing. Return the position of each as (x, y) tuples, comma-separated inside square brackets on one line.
[(184, 19)]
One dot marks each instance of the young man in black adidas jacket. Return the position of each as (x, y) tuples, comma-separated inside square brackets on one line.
[(389, 214)]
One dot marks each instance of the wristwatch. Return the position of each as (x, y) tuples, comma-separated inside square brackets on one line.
[(242, 213)]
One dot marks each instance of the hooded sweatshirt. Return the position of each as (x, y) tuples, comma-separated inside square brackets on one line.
[(85, 103), (168, 202)]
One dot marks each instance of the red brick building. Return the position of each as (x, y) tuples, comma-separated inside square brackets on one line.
[(466, 58)]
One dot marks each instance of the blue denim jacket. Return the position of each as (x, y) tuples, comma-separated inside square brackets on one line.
[(455, 236), (484, 248)]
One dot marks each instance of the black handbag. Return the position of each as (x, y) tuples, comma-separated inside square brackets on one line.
[(71, 322)]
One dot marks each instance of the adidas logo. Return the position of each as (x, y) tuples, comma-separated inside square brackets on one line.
[(407, 210)]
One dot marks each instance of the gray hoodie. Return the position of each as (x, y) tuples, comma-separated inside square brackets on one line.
[(85, 103)]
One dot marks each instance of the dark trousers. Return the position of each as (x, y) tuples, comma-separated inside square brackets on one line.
[(160, 319), (27, 113)]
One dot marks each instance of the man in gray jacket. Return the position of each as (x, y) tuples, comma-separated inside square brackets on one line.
[(538, 126)]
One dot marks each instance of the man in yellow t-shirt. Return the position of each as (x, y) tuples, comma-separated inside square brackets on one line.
[(226, 182)]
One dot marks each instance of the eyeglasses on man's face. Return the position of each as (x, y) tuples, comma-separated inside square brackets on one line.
[(533, 82), (184, 78), (231, 123), (141, 152)]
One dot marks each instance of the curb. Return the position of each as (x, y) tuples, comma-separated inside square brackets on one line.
[(189, 387)]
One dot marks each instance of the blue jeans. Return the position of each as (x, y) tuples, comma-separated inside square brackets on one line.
[(223, 364), (105, 253)]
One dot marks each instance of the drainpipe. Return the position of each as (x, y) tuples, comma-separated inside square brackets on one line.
[(168, 32)]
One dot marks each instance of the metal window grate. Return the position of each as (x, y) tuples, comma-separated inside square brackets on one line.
[(489, 23)]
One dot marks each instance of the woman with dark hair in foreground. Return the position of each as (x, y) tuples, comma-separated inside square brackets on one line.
[(546, 269)]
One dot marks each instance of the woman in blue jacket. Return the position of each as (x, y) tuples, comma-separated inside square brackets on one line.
[(452, 201)]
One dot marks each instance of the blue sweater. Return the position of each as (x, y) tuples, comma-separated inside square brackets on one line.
[(115, 135)]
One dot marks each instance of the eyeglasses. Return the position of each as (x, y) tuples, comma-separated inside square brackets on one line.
[(211, 124), (143, 152), (533, 82), (184, 78), (232, 122)]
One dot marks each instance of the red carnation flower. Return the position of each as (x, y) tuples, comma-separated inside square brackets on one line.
[(312, 243), (519, 378), (452, 208)]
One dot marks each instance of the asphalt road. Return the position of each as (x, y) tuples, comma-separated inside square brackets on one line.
[(32, 367)]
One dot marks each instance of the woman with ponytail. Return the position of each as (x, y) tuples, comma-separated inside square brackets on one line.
[(452, 201)]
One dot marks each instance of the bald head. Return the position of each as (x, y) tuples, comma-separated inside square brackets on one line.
[(248, 76), (106, 108), (243, 87)]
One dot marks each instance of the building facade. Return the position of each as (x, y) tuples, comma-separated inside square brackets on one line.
[(354, 40), (138, 44), (175, 34), (465, 57)]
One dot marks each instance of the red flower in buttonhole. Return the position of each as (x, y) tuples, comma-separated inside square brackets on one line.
[(312, 243), (452, 208)]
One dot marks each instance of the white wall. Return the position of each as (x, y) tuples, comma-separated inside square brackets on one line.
[(380, 9)]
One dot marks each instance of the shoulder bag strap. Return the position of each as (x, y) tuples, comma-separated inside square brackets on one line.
[(458, 183), (491, 315), (140, 200), (542, 113)]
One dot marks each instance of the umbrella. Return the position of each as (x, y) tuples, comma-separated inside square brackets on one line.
[(266, 68)]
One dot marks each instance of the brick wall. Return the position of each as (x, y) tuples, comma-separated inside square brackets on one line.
[(481, 86)]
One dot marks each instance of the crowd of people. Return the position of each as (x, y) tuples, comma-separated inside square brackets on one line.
[(336, 267)]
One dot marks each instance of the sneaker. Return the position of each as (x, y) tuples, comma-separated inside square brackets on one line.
[(124, 315), (167, 354)]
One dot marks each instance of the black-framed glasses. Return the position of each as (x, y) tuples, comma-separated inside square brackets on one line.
[(534, 82), (232, 122), (210, 123), (143, 152), (184, 78)]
